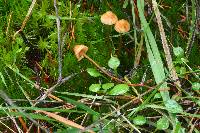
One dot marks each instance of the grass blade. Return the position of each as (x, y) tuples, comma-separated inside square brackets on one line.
[(81, 105), (153, 54)]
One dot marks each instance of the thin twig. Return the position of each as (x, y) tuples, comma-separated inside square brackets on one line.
[(59, 44), (63, 120), (165, 45), (195, 26), (138, 51), (111, 113), (133, 126), (192, 126), (111, 76), (7, 29), (9, 101), (51, 89), (7, 127), (87, 113), (27, 17), (14, 121)]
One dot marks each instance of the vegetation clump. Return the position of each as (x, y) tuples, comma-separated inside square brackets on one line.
[(140, 73)]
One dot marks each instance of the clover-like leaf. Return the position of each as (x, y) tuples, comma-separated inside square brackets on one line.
[(119, 89), (93, 72), (139, 120), (113, 62), (107, 86), (178, 52), (95, 87), (162, 123)]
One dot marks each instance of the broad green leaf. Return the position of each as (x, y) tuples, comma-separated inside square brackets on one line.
[(113, 62), (173, 107), (93, 72), (119, 89), (139, 120), (162, 123), (178, 52), (95, 87), (196, 86), (107, 86)]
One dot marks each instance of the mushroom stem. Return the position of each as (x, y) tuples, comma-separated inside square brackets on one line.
[(104, 71), (111, 76)]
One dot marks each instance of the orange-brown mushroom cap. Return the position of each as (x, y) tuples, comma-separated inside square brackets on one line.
[(109, 18), (122, 26), (79, 51)]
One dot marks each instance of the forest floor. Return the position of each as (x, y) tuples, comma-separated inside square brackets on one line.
[(100, 66)]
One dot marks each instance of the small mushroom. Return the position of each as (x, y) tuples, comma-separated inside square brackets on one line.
[(80, 51), (122, 26), (109, 18)]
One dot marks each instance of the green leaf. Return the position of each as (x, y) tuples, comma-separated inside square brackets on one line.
[(178, 52), (178, 128), (153, 52), (119, 89), (113, 62), (93, 72), (157, 95), (139, 120), (162, 123), (196, 86), (95, 87), (173, 107), (182, 70), (198, 102), (107, 86)]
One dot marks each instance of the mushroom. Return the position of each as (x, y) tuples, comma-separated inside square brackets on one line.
[(80, 53), (109, 18), (122, 26)]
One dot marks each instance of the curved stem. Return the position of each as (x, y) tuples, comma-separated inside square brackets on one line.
[(104, 71), (111, 76)]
